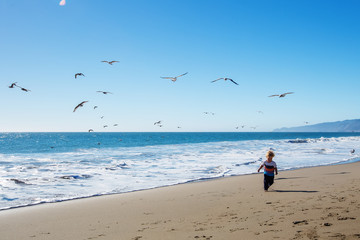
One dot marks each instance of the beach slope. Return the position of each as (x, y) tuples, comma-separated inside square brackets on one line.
[(310, 203)]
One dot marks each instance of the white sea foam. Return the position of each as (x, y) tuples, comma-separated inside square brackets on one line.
[(47, 177)]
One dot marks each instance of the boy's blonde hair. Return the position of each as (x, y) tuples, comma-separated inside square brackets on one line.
[(270, 154)]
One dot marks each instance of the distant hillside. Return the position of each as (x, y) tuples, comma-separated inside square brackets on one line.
[(340, 126)]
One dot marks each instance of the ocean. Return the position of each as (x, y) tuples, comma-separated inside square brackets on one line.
[(50, 167)]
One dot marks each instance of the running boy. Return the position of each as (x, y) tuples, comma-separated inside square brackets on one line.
[(269, 168)]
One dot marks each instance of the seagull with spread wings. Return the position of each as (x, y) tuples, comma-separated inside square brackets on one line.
[(174, 78), (110, 62), (80, 105), (79, 74), (23, 89), (209, 113), (104, 92), (225, 80), (158, 122), (281, 95)]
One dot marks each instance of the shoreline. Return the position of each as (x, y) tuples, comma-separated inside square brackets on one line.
[(307, 203), (187, 182)]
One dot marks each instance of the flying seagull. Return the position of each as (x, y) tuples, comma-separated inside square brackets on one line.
[(13, 85), (174, 78), (23, 89), (90, 130), (209, 113), (110, 62), (158, 122), (225, 80), (281, 95), (104, 92), (79, 74), (80, 105), (95, 107)]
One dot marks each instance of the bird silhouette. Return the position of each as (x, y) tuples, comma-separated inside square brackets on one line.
[(225, 80), (90, 130), (281, 95), (95, 107), (104, 92), (80, 105), (23, 89), (110, 62), (174, 78), (209, 113), (158, 122), (79, 74)]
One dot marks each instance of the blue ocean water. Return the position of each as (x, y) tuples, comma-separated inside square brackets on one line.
[(50, 167)]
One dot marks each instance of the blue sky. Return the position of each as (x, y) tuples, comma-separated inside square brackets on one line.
[(268, 47)]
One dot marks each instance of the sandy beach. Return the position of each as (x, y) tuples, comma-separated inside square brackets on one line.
[(310, 203)]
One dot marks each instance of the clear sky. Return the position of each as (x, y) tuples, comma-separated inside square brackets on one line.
[(309, 47)]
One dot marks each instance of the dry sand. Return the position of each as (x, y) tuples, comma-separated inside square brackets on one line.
[(311, 203)]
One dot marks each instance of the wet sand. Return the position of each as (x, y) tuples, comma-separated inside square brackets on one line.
[(310, 203)]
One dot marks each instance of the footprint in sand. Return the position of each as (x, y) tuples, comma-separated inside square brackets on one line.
[(345, 218), (203, 237), (338, 236), (301, 222)]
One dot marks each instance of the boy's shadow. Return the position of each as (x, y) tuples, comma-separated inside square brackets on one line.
[(302, 191), (288, 191), (288, 178)]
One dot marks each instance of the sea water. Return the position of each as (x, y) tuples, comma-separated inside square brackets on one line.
[(49, 167)]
